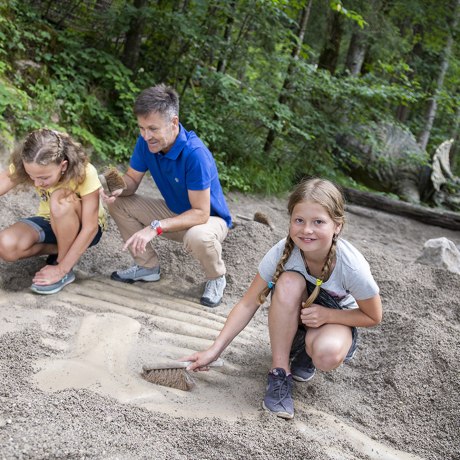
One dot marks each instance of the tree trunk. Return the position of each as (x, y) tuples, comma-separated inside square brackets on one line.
[(455, 135), (403, 111), (282, 98), (222, 63), (429, 216), (330, 54), (134, 37), (433, 101), (356, 53)]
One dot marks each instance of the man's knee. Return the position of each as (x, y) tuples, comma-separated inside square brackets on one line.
[(115, 206), (196, 239)]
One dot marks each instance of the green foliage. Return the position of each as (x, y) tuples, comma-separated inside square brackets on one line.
[(337, 5), (232, 64), (67, 85)]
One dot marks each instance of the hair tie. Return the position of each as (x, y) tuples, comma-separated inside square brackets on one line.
[(270, 285), (319, 282)]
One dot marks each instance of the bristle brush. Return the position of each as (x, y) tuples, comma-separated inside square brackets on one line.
[(263, 219), (112, 180), (173, 374)]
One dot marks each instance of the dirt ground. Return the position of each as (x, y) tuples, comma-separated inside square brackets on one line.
[(70, 384)]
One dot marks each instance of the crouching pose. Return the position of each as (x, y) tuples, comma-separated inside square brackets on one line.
[(192, 209), (70, 216), (321, 290)]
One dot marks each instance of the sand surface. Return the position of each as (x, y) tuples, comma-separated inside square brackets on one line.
[(70, 364)]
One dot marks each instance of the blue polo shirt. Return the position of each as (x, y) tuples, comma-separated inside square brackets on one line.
[(188, 165)]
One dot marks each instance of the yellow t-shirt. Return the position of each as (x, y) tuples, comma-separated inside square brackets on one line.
[(89, 185)]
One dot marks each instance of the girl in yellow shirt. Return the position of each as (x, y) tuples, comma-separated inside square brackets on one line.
[(70, 217)]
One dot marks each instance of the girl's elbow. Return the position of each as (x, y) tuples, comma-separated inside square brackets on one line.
[(378, 320)]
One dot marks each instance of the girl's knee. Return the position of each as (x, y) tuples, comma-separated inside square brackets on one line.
[(290, 284), (327, 357), (61, 204), (8, 247), (288, 292)]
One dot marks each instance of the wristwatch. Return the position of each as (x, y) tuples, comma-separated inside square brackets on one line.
[(156, 225)]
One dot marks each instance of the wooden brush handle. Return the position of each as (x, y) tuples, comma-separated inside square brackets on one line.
[(179, 365), (104, 184)]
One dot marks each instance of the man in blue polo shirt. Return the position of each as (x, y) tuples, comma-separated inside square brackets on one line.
[(193, 209)]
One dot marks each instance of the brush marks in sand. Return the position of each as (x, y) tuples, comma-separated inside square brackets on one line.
[(333, 434), (121, 329)]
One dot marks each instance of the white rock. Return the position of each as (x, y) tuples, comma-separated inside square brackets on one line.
[(441, 253)]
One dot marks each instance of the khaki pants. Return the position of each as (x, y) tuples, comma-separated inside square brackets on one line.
[(135, 212)]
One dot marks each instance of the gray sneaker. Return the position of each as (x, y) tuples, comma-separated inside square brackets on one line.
[(136, 273), (278, 398), (55, 287), (213, 292)]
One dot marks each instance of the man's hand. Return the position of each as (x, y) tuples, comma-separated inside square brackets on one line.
[(314, 316), (139, 240), (109, 198)]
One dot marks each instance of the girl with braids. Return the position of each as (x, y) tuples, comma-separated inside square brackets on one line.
[(70, 216), (321, 289)]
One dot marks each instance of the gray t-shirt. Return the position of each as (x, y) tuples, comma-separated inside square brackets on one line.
[(350, 280)]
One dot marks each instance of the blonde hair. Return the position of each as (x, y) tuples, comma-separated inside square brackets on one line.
[(329, 196), (46, 146)]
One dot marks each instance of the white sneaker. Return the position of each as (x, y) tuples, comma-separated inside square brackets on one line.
[(213, 292)]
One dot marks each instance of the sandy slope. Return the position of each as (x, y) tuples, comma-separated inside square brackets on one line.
[(70, 363)]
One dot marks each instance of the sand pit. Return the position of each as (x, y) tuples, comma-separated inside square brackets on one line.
[(70, 384)]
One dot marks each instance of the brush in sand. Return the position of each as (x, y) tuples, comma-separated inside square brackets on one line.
[(258, 217), (112, 180), (263, 219), (172, 374)]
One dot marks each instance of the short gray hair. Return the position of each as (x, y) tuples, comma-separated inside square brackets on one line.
[(160, 98)]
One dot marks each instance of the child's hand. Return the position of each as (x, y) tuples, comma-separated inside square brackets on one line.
[(200, 360), (49, 274), (314, 316)]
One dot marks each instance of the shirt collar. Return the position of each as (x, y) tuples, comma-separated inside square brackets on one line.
[(178, 145)]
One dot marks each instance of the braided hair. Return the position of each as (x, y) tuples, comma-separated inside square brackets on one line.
[(47, 146), (329, 196), (288, 247)]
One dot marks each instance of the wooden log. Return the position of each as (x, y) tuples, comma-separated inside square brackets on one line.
[(438, 217)]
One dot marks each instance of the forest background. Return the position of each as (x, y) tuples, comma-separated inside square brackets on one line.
[(269, 85)]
